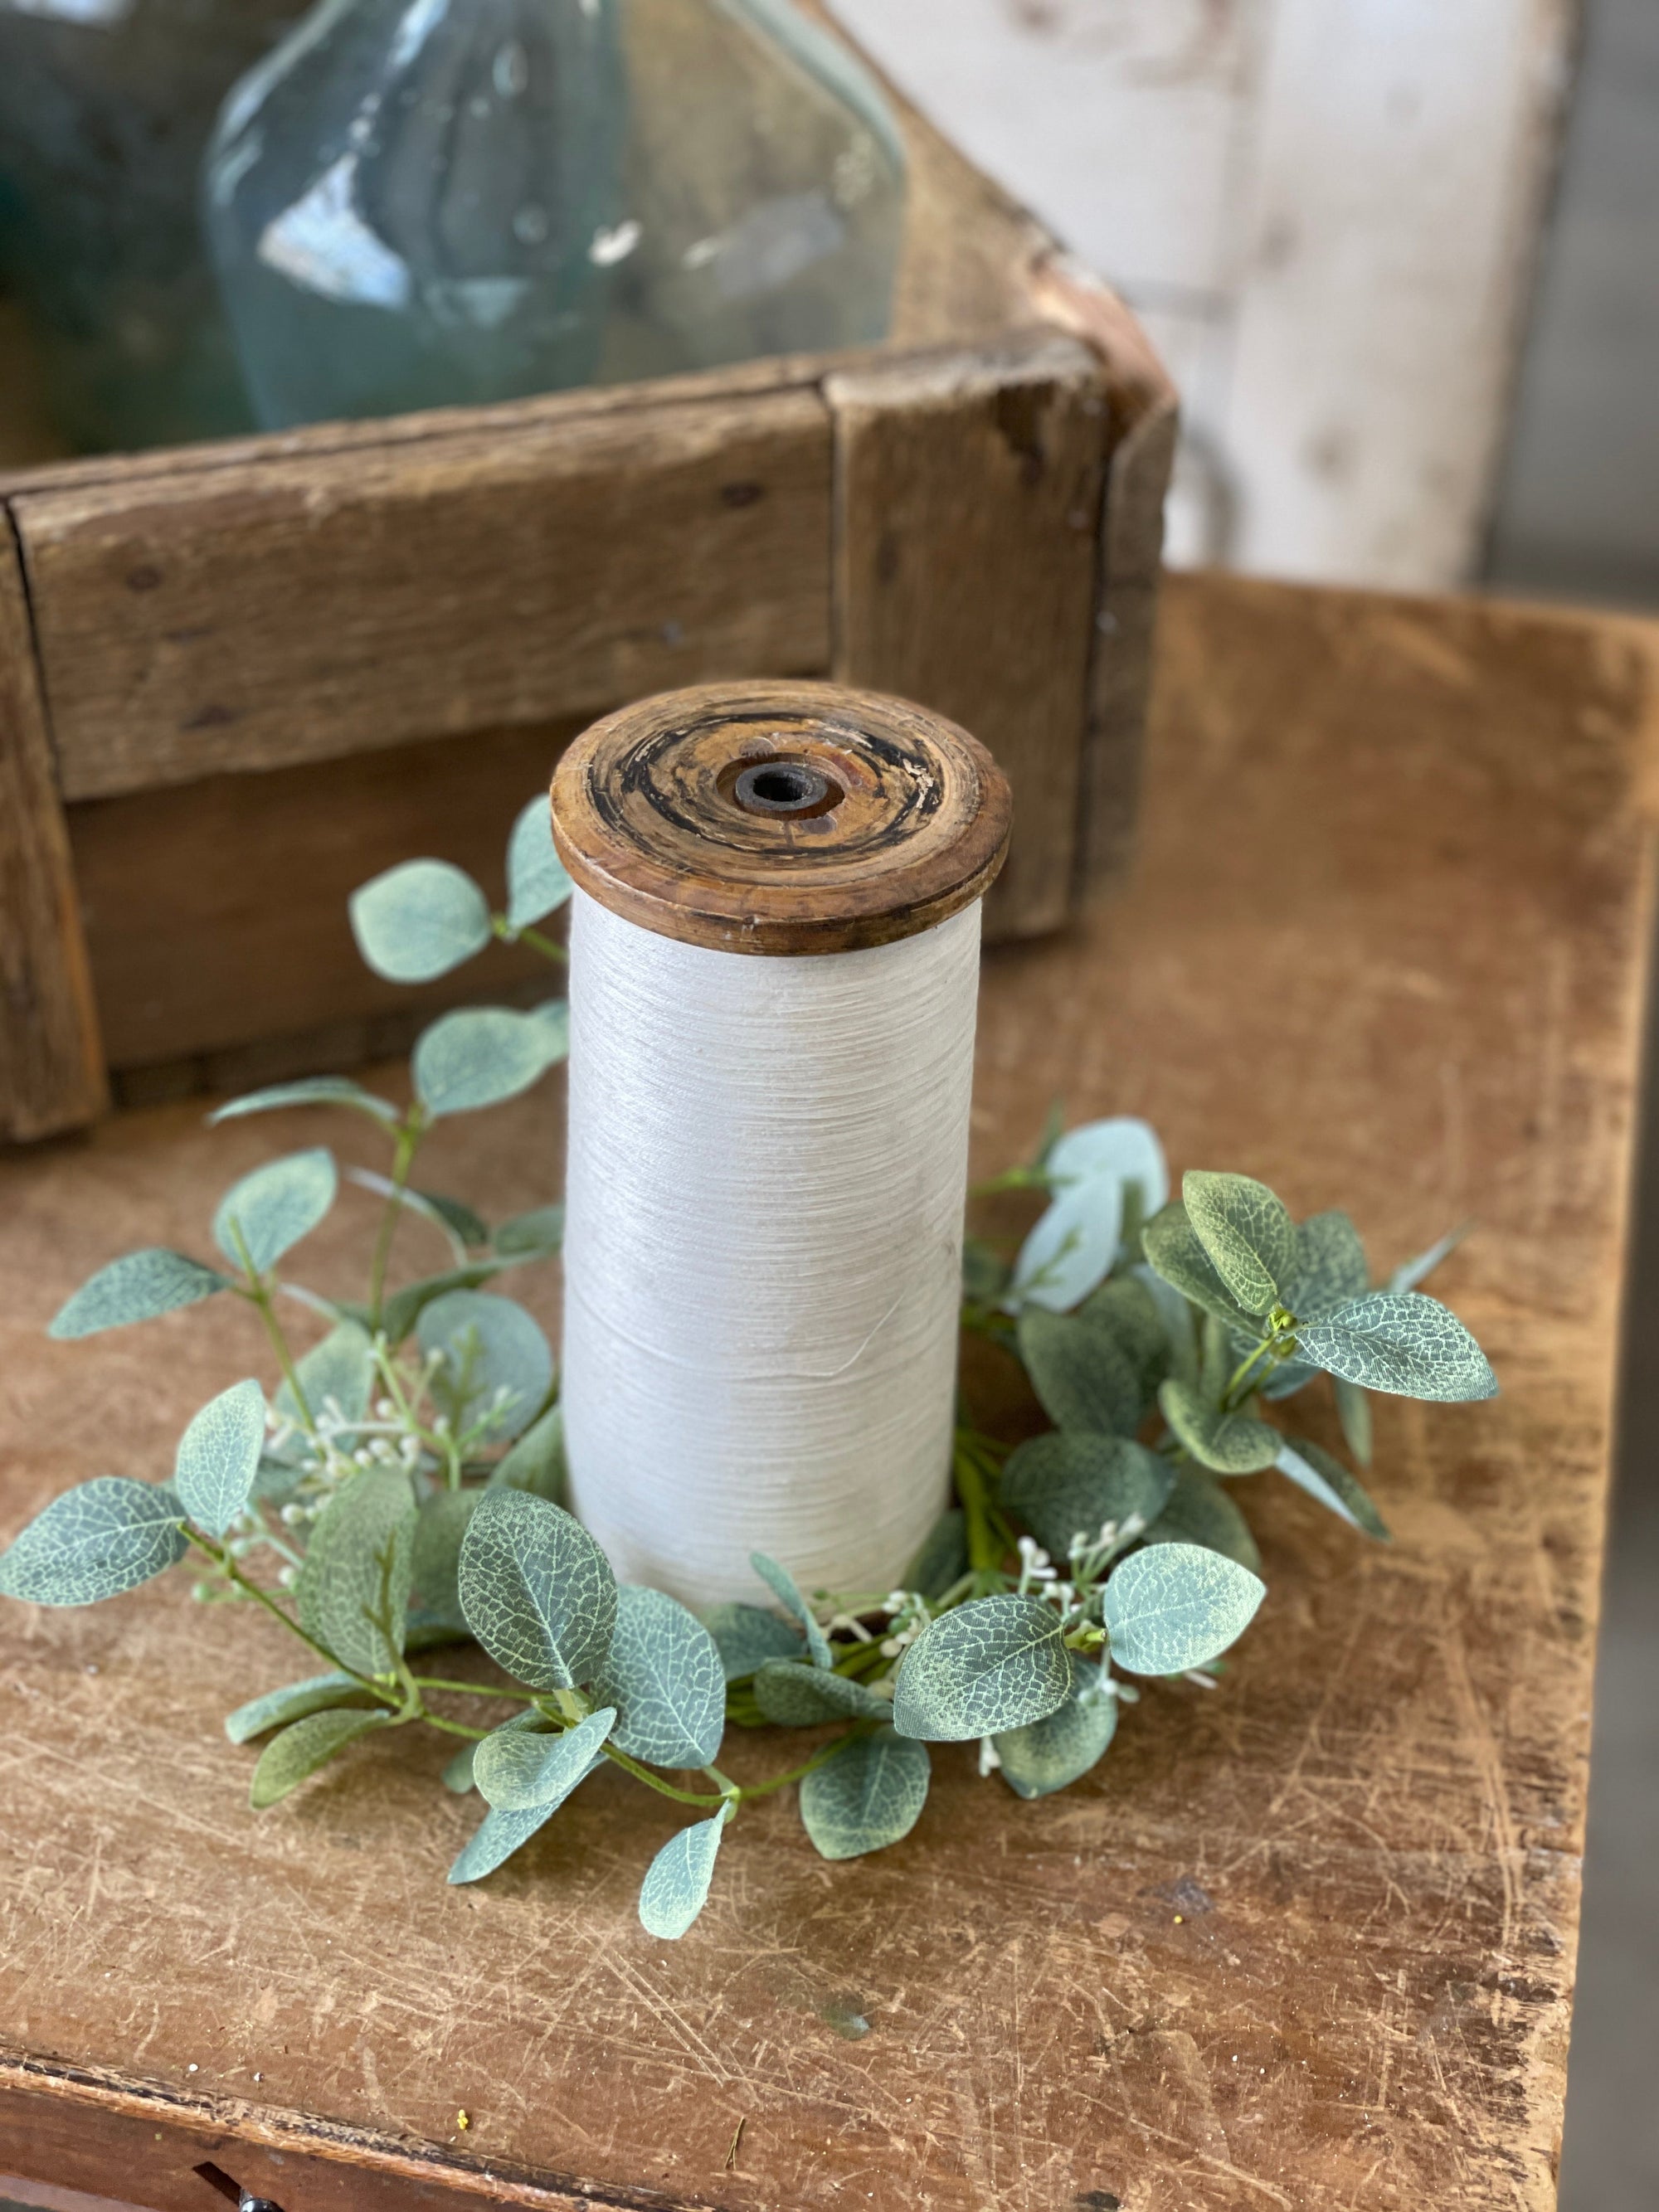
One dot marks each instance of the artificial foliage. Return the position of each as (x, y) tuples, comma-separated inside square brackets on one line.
[(402, 1487)]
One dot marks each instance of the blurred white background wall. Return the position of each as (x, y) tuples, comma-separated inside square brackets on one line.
[(1324, 210)]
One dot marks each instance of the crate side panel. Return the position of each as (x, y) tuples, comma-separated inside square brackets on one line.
[(52, 1069), (300, 608), (216, 910), (968, 503)]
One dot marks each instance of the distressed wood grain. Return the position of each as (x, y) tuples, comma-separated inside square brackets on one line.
[(907, 819), (968, 510), (242, 618), (1146, 421), (52, 1070), (1306, 1942)]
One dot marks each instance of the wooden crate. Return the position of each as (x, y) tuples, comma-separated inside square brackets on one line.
[(238, 677)]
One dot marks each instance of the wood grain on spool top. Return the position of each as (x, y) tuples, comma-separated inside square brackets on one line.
[(646, 820)]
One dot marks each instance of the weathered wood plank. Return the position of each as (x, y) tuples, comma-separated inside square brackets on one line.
[(1306, 1942), (546, 412), (968, 501), (52, 1067), (215, 911), (1146, 423), (298, 609)]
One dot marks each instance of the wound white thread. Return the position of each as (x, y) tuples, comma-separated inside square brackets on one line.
[(767, 1166)]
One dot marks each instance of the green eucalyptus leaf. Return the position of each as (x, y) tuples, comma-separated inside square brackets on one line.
[(1248, 1233), (994, 1664), (1123, 1148), (1323, 1476), (1216, 1359), (457, 1222), (1071, 1247), (491, 1348), (1231, 1443), (93, 1542), (865, 1797), (538, 1234), (747, 1635), (480, 1056), (1177, 1318), (1172, 1607), (676, 1886), (1081, 1377), (553, 1016), (419, 919), (1413, 1271), (352, 1593), (1050, 1754), (535, 880), (517, 1772), (1281, 1379), (1174, 1254), (138, 1286), (1353, 1409), (405, 1307), (1330, 1267), (267, 1212), (276, 1480), (337, 1375), (985, 1274), (537, 1590), (219, 1456), (1062, 1487), (1200, 1512), (943, 1559), (435, 1589), (302, 1747), (782, 1584), (1403, 1342), (458, 1774), (664, 1676), (496, 1838), (296, 1701), (1129, 1312), (311, 1091), (537, 1462), (795, 1695)]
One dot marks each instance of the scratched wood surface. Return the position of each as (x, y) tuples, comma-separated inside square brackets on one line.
[(1306, 1942)]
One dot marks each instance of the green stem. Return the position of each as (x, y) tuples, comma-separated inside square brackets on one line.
[(820, 1758), (450, 1728), (468, 1689), (228, 1566), (549, 947), (655, 1781), (257, 1290), (410, 1132), (1266, 1350), (985, 1552)]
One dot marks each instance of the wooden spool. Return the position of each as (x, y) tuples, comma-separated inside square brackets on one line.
[(780, 817)]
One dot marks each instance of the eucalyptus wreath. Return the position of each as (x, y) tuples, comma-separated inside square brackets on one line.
[(403, 1487)]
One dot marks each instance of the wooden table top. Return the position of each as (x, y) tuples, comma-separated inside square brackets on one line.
[(1306, 1942)]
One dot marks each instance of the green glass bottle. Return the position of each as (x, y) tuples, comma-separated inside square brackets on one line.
[(106, 107), (416, 202)]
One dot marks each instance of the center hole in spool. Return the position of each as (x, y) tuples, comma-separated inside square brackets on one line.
[(779, 786)]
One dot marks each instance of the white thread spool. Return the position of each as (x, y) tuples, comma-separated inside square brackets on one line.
[(774, 967)]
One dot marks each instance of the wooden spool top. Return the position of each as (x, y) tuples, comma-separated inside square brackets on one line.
[(780, 817)]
